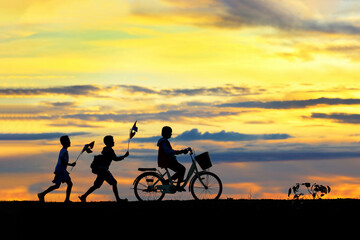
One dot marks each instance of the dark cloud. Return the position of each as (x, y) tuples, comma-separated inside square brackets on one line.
[(66, 90), (88, 90), (271, 156), (255, 13), (221, 136), (283, 15), (216, 91), (225, 90), (138, 89), (169, 115), (59, 104), (339, 117), (35, 136), (194, 134), (239, 13), (330, 27), (292, 104)]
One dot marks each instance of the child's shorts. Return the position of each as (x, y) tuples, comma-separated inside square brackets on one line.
[(104, 176), (61, 177)]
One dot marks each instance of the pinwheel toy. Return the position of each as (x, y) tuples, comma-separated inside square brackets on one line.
[(87, 148), (133, 131)]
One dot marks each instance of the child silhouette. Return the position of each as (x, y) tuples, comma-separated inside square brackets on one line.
[(61, 174), (103, 174), (167, 158)]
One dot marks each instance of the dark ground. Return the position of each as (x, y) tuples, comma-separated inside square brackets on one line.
[(176, 218)]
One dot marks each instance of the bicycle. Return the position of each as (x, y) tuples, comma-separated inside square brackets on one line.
[(151, 185)]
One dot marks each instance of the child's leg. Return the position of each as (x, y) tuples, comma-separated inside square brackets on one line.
[(97, 184), (51, 188), (116, 193), (112, 181), (179, 170), (68, 190), (88, 192)]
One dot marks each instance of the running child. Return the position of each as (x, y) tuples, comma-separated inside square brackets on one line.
[(102, 170), (61, 174)]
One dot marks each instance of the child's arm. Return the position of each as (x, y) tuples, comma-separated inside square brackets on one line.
[(119, 158), (65, 161), (172, 152), (72, 164)]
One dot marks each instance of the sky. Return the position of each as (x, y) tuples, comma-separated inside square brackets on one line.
[(269, 88)]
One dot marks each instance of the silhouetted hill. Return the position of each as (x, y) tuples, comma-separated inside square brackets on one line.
[(178, 218)]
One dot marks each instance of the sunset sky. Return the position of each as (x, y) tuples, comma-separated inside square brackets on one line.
[(270, 88)]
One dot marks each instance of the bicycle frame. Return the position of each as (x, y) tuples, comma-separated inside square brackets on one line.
[(167, 188)]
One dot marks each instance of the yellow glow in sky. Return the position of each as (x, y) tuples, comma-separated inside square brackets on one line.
[(251, 77)]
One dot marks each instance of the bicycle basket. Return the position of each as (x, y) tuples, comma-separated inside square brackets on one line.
[(204, 160)]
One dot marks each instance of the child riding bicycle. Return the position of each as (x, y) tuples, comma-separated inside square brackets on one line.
[(167, 158)]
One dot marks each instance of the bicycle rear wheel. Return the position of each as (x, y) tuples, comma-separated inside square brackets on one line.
[(210, 186), (145, 187)]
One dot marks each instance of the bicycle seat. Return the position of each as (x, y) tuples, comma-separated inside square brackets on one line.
[(146, 169)]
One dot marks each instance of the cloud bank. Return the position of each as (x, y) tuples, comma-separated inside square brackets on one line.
[(90, 90), (222, 136), (169, 115), (292, 104), (284, 15), (280, 155), (36, 136), (65, 90), (289, 16), (338, 117)]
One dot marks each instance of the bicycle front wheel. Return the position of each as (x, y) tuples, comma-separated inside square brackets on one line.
[(145, 187), (206, 185)]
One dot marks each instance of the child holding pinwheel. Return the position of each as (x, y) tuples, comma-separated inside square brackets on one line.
[(61, 174), (101, 169), (101, 163)]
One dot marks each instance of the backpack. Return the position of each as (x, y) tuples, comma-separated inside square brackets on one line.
[(96, 164)]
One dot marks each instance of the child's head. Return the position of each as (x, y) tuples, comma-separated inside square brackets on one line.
[(109, 141), (166, 132), (65, 141)]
